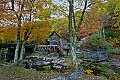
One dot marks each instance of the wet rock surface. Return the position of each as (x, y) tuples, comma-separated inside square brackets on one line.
[(40, 61), (95, 56), (60, 78)]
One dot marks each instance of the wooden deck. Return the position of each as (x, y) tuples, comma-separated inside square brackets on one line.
[(50, 48)]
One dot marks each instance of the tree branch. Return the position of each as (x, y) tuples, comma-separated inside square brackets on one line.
[(82, 16)]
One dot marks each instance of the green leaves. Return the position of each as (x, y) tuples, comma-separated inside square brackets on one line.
[(95, 42)]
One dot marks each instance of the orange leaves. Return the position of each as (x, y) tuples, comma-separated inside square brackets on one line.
[(92, 22), (22, 16), (39, 32), (8, 33), (2, 29), (27, 24), (63, 31)]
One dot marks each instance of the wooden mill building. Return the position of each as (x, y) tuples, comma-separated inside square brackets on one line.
[(61, 41)]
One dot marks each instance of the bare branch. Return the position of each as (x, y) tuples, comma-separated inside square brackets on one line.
[(82, 16)]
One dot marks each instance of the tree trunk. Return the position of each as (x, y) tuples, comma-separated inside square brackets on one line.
[(73, 38), (17, 51), (70, 26), (103, 33), (26, 36), (22, 50), (23, 44), (72, 46), (18, 42), (18, 31)]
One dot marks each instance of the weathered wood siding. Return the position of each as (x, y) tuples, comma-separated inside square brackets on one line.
[(63, 43), (54, 39)]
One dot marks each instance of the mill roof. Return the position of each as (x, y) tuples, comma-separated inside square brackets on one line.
[(55, 33)]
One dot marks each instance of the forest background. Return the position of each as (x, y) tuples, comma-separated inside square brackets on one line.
[(32, 21)]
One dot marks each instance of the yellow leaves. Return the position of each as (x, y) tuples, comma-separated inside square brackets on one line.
[(115, 41), (23, 12), (57, 24), (78, 13), (40, 30), (88, 71), (43, 14), (27, 25), (39, 6), (8, 33), (2, 29)]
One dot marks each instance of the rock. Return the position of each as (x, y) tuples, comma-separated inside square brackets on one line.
[(53, 55), (57, 67), (96, 55), (46, 63), (34, 57), (80, 61), (65, 64), (74, 76), (11, 64), (116, 63), (60, 78), (109, 71), (44, 58), (55, 58), (49, 59), (60, 61), (24, 63), (90, 77), (36, 63), (55, 61)]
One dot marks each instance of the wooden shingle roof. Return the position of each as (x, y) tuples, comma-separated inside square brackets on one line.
[(53, 33)]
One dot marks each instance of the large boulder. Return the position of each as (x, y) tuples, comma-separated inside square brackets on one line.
[(96, 56)]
